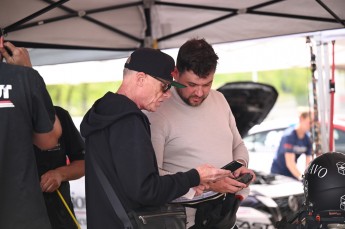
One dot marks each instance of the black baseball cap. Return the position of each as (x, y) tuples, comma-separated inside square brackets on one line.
[(153, 62)]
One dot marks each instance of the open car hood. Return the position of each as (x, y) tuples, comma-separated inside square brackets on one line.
[(250, 102)]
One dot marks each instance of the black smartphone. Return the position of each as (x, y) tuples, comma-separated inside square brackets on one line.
[(245, 178), (8, 50), (232, 166)]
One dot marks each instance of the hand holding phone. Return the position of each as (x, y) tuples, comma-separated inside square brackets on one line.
[(15, 55), (8, 50)]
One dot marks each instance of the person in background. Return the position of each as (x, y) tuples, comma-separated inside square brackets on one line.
[(59, 165), (27, 117), (118, 139), (197, 125), (294, 143)]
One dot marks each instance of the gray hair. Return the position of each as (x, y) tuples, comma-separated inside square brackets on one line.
[(127, 71)]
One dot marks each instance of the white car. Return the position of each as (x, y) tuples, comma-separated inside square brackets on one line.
[(272, 196)]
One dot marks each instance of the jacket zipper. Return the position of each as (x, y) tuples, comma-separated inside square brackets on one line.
[(143, 218)]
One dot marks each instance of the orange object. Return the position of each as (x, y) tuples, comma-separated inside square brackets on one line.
[(318, 218), (239, 197)]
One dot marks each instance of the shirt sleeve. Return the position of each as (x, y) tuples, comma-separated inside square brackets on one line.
[(288, 143), (43, 111), (240, 151)]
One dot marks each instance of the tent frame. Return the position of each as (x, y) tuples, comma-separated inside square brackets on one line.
[(147, 4)]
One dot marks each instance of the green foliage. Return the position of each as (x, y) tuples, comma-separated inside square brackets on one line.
[(77, 99)]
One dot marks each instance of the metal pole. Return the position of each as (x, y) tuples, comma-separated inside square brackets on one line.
[(315, 129), (322, 74)]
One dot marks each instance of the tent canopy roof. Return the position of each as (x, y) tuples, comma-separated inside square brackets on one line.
[(115, 28)]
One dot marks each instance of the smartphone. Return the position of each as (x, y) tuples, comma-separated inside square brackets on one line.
[(8, 50), (245, 178), (232, 166)]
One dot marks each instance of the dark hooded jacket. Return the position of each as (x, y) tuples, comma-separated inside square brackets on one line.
[(118, 139)]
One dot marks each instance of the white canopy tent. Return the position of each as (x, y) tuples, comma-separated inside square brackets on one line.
[(70, 29)]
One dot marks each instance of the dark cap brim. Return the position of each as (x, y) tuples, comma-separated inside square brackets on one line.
[(178, 85)]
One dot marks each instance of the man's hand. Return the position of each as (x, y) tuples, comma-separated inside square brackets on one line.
[(51, 181), (230, 184), (242, 171), (200, 189), (209, 173), (20, 56), (227, 185)]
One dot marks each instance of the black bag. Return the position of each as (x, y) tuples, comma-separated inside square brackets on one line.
[(169, 216), (219, 213)]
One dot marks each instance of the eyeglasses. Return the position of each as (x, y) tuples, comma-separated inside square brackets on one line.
[(165, 86)]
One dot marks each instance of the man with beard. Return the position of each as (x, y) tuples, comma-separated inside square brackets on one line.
[(196, 124)]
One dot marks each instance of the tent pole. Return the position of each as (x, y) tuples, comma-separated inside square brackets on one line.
[(316, 129), (331, 12), (34, 15), (148, 41), (332, 91), (326, 100), (322, 80)]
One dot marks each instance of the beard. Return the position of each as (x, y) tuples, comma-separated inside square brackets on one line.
[(192, 100)]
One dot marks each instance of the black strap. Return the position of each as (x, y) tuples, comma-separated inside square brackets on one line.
[(114, 200)]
